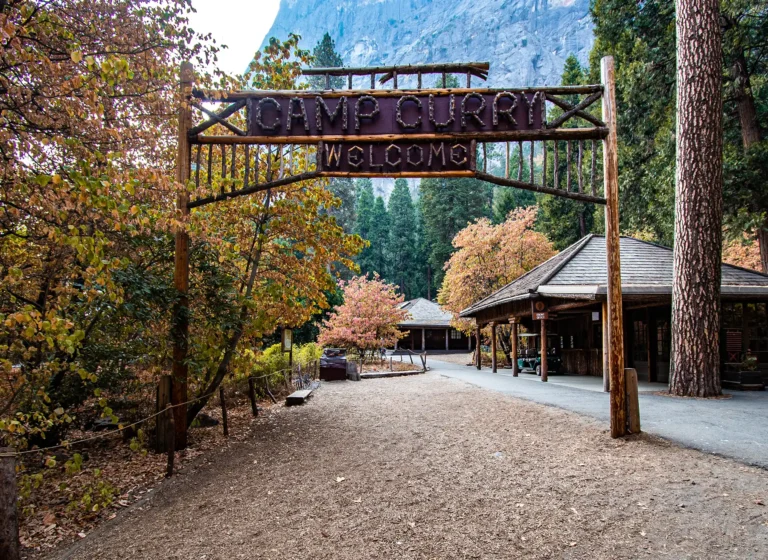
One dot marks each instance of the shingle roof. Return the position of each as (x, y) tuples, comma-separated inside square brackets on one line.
[(646, 268), (425, 313)]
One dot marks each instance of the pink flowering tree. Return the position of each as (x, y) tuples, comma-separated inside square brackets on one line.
[(367, 320)]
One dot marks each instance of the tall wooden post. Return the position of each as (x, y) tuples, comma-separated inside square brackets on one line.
[(606, 345), (478, 352), (493, 347), (180, 327), (544, 370), (10, 549), (613, 253), (514, 346)]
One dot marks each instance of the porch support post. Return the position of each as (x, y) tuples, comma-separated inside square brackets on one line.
[(606, 344), (478, 355), (423, 339), (180, 326), (446, 338), (493, 347), (513, 320), (544, 370), (618, 398)]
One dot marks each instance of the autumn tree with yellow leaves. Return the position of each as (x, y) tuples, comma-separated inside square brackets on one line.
[(88, 120)]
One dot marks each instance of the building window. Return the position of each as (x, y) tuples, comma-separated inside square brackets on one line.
[(455, 335)]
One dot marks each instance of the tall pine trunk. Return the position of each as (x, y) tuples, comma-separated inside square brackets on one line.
[(750, 133), (698, 201)]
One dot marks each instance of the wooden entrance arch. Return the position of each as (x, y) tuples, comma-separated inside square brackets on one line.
[(397, 128)]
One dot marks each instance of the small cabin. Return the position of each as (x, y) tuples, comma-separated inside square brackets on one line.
[(428, 327)]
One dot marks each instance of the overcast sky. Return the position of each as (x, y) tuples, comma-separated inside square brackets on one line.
[(239, 24)]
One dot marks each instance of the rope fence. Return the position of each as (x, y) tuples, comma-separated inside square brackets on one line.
[(121, 429)]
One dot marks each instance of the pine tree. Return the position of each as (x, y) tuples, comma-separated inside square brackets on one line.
[(344, 189), (402, 238), (364, 222), (695, 363), (422, 270), (447, 206), (380, 238), (324, 55)]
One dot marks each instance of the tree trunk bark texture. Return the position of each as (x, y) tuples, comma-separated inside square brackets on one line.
[(762, 239), (698, 201)]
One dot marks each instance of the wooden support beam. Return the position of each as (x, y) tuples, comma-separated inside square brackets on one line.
[(488, 136), (613, 252), (493, 347), (478, 352), (515, 370), (544, 368), (180, 327), (224, 96), (606, 344)]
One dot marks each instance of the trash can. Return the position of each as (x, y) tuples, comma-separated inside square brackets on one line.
[(333, 365)]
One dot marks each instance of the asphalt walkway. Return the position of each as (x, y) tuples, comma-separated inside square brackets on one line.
[(735, 427)]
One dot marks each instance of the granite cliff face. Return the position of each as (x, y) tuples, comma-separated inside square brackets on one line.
[(526, 41)]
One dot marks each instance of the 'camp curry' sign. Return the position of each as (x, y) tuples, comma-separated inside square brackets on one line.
[(330, 114), (394, 158)]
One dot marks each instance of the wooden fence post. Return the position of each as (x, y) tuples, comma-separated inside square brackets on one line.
[(252, 396), (613, 253), (170, 441), (633, 401), (180, 329), (161, 422), (606, 346), (9, 513), (223, 412)]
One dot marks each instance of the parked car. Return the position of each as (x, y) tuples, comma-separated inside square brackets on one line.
[(529, 356)]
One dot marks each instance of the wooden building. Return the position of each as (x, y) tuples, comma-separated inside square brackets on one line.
[(429, 328), (572, 288)]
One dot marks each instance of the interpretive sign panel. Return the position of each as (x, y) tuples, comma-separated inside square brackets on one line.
[(394, 114)]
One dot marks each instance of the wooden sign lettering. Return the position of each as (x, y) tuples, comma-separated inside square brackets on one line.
[(395, 115), (394, 158)]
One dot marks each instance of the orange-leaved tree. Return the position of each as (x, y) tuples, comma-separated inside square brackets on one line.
[(367, 320), (488, 257)]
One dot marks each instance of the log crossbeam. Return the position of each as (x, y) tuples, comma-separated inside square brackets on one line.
[(501, 181), (218, 118), (285, 181), (576, 111)]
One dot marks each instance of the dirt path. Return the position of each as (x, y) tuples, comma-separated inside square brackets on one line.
[(427, 467)]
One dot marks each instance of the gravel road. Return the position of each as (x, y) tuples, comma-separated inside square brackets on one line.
[(428, 467)]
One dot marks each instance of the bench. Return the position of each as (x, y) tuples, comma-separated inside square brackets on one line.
[(298, 397)]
